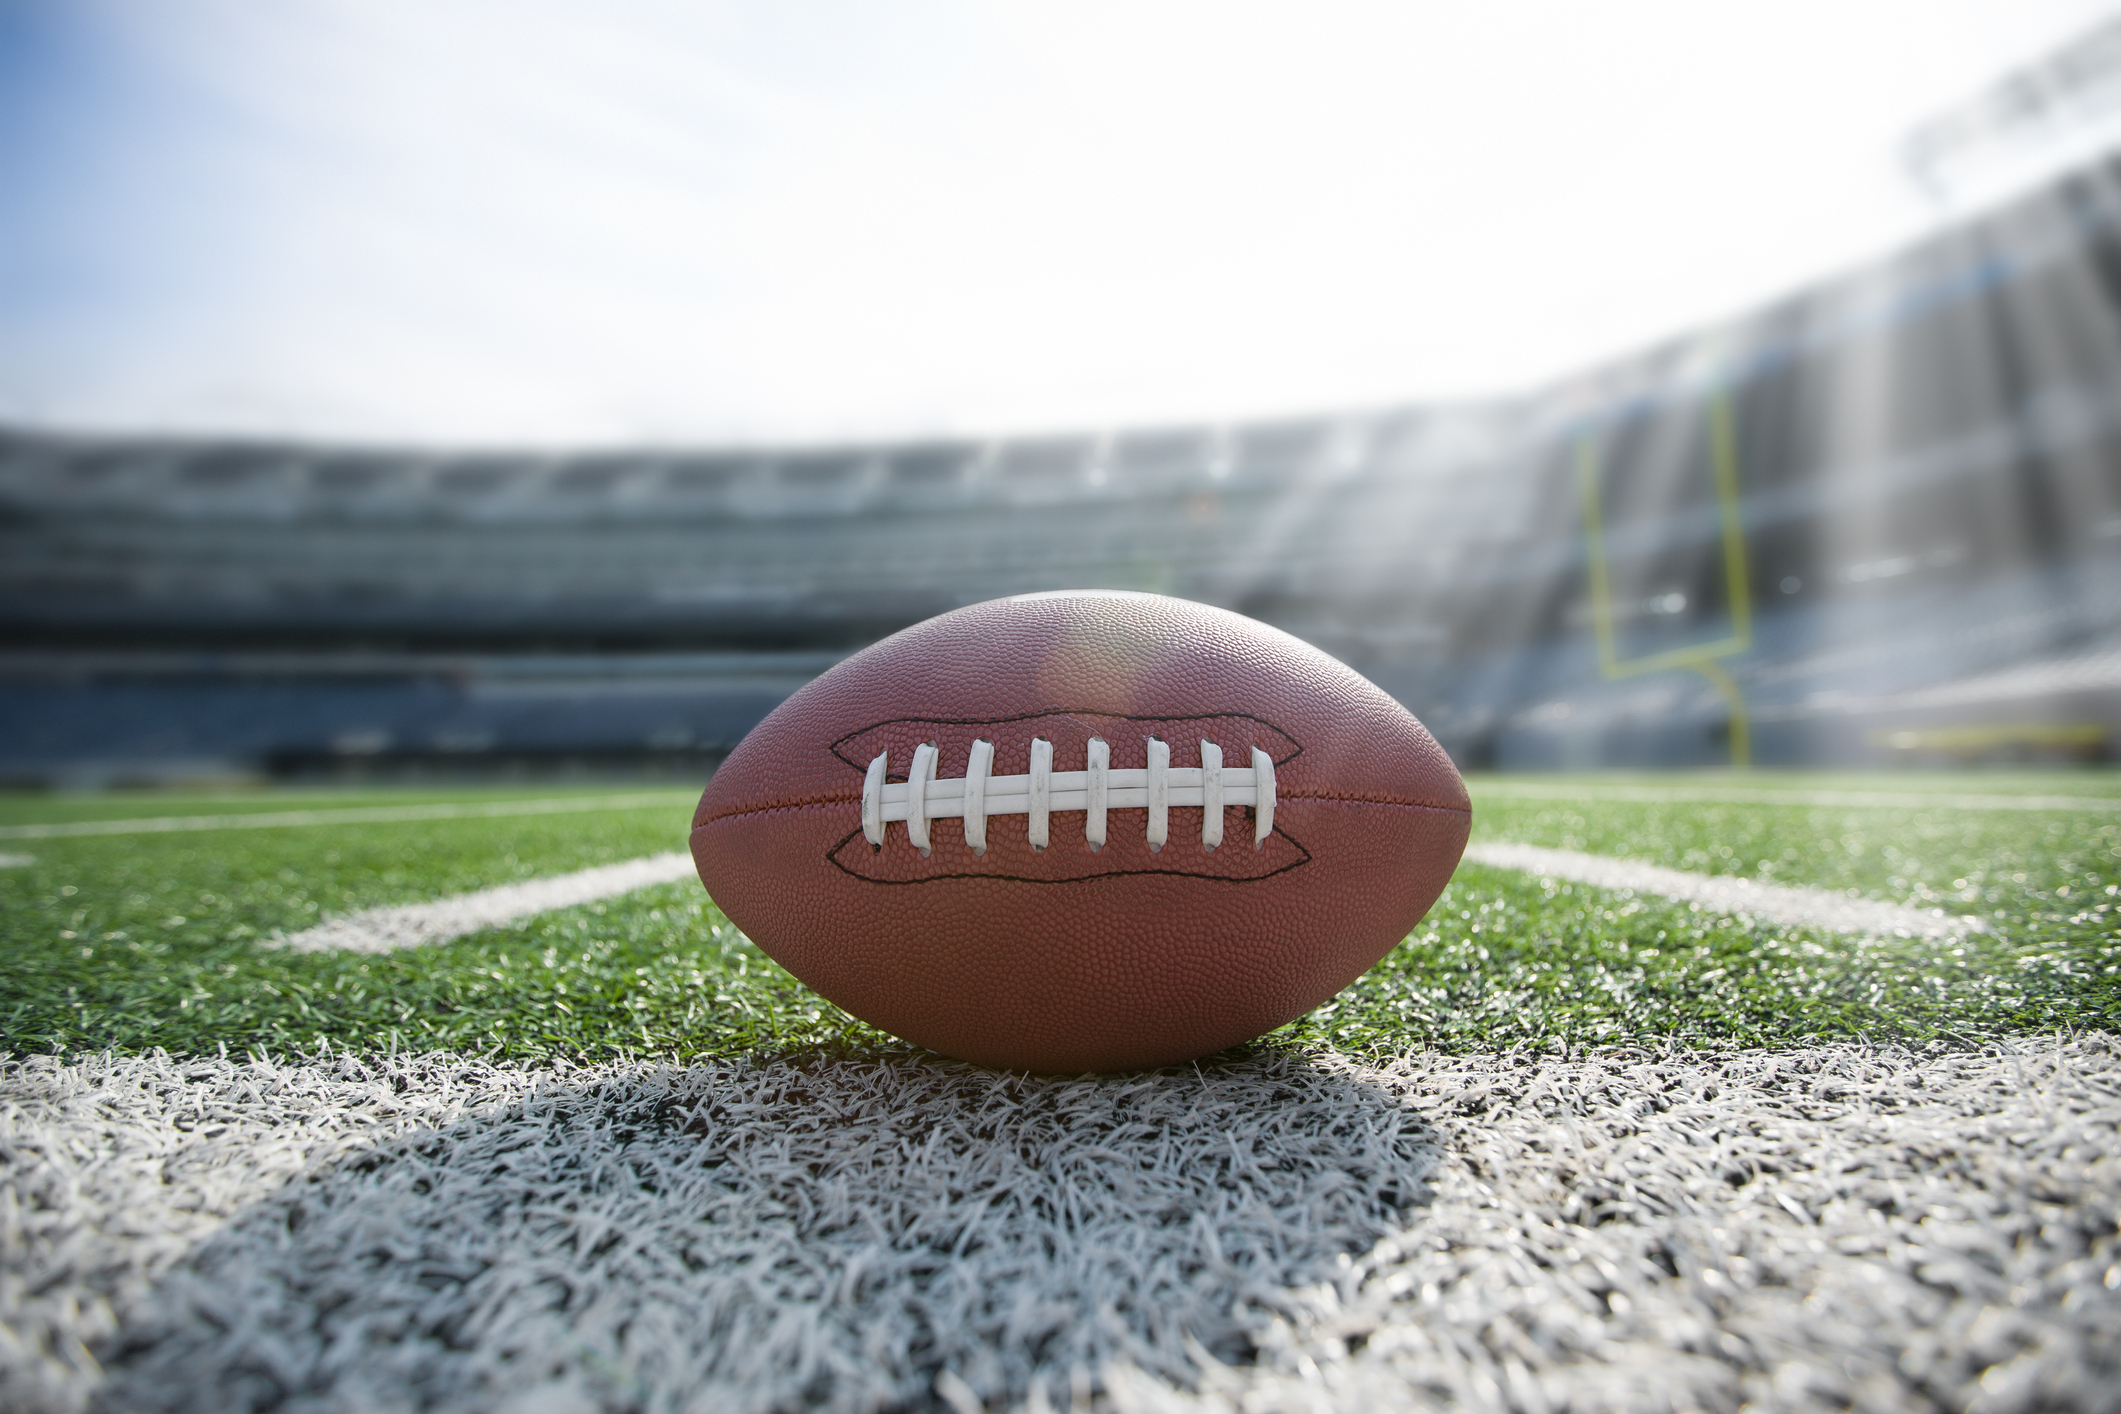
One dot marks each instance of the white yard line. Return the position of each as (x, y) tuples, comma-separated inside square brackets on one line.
[(1776, 903), (1748, 795), (16, 861), (353, 815), (418, 924)]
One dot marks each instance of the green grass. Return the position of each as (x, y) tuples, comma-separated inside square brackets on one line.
[(34, 808), (153, 940), (141, 941), (2025, 870), (1505, 958)]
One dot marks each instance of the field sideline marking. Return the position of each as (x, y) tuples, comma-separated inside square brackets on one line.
[(351, 815), (419, 924), (1777, 903), (1712, 795), (412, 925)]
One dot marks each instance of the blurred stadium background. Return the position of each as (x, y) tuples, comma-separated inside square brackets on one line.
[(1888, 508), (1877, 521)]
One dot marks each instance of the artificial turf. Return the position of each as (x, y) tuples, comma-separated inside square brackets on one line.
[(132, 942), (35, 808)]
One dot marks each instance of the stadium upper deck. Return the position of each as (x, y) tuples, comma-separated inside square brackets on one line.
[(1888, 508)]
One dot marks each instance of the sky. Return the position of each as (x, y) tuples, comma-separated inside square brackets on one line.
[(512, 222)]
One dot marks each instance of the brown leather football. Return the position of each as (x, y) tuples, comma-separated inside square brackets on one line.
[(1144, 829)]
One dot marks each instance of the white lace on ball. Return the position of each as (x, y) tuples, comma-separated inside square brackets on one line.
[(979, 794)]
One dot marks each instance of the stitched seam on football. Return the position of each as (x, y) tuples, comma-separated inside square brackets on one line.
[(1373, 798), (797, 803), (832, 857), (808, 802), (1296, 747)]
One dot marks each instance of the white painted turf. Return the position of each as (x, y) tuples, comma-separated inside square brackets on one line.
[(1836, 1227), (414, 924), (1784, 904), (418, 924)]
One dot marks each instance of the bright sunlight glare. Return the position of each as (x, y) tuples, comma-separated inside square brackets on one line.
[(658, 221)]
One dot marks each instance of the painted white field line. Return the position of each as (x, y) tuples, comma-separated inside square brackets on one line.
[(1777, 903), (1743, 795), (416, 924), (350, 815)]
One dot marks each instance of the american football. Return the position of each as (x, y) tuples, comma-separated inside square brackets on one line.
[(1082, 831)]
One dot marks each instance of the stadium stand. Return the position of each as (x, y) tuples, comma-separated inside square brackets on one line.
[(1879, 520)]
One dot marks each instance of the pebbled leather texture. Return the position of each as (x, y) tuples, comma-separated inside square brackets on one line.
[(1070, 960)]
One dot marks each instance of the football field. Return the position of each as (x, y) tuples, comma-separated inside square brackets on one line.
[(1796, 1090)]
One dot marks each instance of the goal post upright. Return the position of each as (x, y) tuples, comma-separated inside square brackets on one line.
[(1699, 658)]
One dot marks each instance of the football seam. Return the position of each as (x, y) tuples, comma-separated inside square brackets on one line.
[(832, 857), (1066, 712), (805, 802), (1465, 809), (799, 802)]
